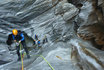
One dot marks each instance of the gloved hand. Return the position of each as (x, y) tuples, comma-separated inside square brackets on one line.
[(20, 41), (17, 44), (15, 41)]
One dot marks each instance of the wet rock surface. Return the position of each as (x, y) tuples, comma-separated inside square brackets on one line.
[(65, 25), (93, 27)]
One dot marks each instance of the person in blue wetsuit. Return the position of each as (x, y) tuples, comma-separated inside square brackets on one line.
[(18, 36), (38, 42)]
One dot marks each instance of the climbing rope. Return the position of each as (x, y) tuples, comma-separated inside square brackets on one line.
[(44, 60), (47, 62), (21, 57), (34, 55)]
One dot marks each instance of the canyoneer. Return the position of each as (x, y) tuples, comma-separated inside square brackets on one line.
[(38, 42), (18, 36), (36, 37), (45, 40)]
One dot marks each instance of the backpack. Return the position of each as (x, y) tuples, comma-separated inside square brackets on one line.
[(28, 39), (9, 40)]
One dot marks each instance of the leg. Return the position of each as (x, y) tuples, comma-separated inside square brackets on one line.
[(46, 40), (18, 53), (39, 46), (43, 41), (26, 50)]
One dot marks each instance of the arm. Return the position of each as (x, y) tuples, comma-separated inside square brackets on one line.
[(13, 37), (22, 37)]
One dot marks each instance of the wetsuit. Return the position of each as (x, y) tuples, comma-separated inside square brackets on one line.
[(39, 46), (36, 37), (20, 37)]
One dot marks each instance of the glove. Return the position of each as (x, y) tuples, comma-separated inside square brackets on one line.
[(17, 44), (15, 41), (20, 41)]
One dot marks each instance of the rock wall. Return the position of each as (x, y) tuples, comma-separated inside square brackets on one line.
[(91, 26), (57, 19)]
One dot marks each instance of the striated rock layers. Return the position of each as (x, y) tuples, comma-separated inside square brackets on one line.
[(92, 24)]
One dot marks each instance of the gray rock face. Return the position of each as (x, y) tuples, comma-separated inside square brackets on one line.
[(71, 13), (92, 28), (54, 19), (67, 10)]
